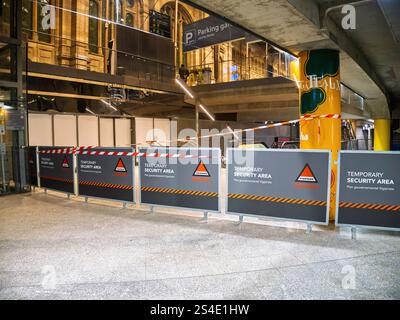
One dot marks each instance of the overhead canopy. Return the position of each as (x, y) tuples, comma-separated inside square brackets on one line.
[(211, 31)]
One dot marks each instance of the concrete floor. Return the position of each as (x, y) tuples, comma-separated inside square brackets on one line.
[(54, 248)]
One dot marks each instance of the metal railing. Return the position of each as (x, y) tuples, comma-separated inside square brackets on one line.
[(357, 144), (143, 68), (128, 64), (290, 145), (256, 67), (352, 144), (349, 97)]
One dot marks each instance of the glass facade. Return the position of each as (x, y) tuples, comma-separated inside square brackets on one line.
[(83, 35), (7, 62), (5, 18), (44, 20), (13, 175), (93, 26)]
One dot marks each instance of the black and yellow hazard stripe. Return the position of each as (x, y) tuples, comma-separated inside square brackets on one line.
[(369, 206), (57, 179), (181, 192), (105, 185), (277, 199)]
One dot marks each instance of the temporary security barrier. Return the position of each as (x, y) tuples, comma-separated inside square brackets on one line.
[(104, 176), (32, 166), (180, 177), (285, 184), (56, 170), (369, 190)]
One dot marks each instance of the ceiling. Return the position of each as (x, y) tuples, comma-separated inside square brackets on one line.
[(369, 54), (377, 34)]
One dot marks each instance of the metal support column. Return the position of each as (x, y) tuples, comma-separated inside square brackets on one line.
[(197, 125), (3, 163), (176, 34), (354, 233), (151, 210)]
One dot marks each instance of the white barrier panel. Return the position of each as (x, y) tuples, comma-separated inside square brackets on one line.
[(88, 130), (65, 130), (40, 129)]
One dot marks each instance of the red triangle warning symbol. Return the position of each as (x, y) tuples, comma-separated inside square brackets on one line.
[(120, 167), (306, 175), (65, 163), (201, 171)]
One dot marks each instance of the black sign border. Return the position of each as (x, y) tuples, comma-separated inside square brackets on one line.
[(277, 218), (126, 149), (45, 148), (337, 224), (183, 208)]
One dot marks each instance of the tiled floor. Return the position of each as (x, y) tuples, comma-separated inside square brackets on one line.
[(51, 247)]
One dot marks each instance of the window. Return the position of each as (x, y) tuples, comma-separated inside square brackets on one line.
[(118, 12), (7, 62), (27, 10), (130, 3), (129, 19), (43, 28), (93, 26), (5, 18), (103, 29)]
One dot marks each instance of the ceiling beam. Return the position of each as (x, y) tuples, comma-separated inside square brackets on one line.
[(341, 38)]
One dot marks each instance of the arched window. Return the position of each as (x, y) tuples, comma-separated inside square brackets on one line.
[(184, 18), (93, 26), (129, 19)]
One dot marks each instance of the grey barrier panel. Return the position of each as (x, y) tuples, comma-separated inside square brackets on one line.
[(284, 184), (106, 176), (56, 170), (32, 166), (181, 183), (369, 190)]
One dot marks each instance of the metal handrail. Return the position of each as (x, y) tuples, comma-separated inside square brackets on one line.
[(99, 46), (354, 144), (294, 142), (246, 70)]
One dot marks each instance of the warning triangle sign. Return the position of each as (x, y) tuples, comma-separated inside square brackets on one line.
[(65, 163), (201, 171), (120, 167), (306, 175)]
